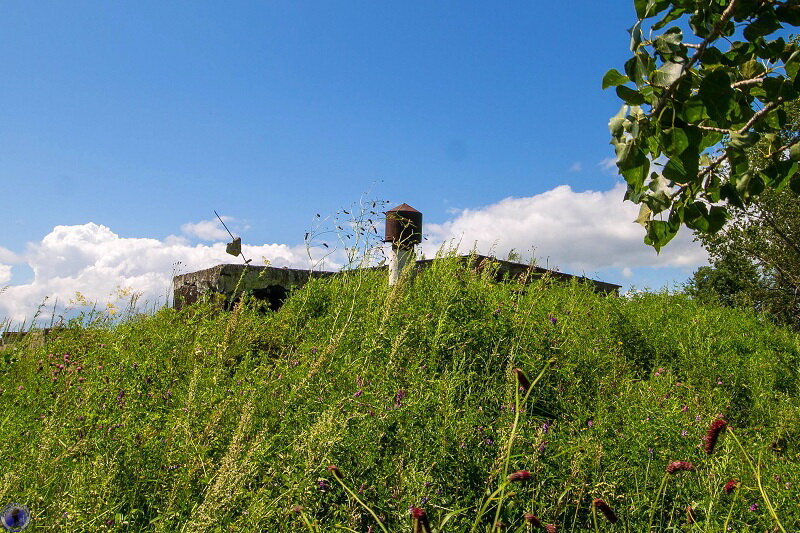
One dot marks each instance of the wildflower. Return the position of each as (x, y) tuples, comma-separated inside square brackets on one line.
[(684, 408), (550, 528), (590, 423), (520, 475), (398, 397), (522, 379), (553, 320), (684, 433), (334, 470), (532, 519), (606, 509), (677, 466), (322, 485), (545, 427), (420, 521), (730, 486), (358, 393), (713, 434), (754, 507), (542, 446)]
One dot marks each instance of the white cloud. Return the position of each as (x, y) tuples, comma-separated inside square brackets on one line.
[(5, 274), (208, 230), (93, 260), (575, 231), (576, 167), (7, 256)]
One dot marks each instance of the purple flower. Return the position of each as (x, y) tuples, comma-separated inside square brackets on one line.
[(545, 427), (398, 397), (754, 507), (590, 423), (553, 320), (684, 433), (684, 408), (542, 446), (358, 393)]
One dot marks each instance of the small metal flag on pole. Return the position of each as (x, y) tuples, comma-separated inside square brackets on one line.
[(235, 246)]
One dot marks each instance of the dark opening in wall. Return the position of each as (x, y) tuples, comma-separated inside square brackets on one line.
[(274, 294)]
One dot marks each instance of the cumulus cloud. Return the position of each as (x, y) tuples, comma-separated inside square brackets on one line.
[(5, 274), (576, 231), (95, 261), (209, 230)]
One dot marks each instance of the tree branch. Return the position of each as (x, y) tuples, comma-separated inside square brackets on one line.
[(745, 83), (726, 15)]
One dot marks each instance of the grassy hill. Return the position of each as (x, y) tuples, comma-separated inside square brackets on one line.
[(201, 420)]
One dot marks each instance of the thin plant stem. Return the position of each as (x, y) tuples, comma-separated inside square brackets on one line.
[(757, 473), (512, 436), (361, 503), (659, 500)]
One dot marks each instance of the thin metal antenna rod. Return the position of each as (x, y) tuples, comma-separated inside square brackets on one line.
[(223, 225)]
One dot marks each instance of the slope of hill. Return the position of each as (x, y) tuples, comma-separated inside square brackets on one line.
[(199, 420)]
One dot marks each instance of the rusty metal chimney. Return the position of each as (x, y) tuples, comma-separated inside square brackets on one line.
[(404, 231)]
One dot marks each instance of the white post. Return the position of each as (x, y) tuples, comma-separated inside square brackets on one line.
[(398, 258)]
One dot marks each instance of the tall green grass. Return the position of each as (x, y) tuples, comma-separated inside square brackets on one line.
[(202, 420)]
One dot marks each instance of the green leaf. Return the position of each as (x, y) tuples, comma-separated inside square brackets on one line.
[(636, 35), (765, 24), (644, 215), (794, 185), (728, 192), (693, 109), (794, 152), (717, 94), (709, 139), (711, 56), (740, 141), (667, 74), (752, 69), (632, 163), (673, 14), (629, 96), (614, 78), (698, 217), (788, 14), (675, 141), (659, 233)]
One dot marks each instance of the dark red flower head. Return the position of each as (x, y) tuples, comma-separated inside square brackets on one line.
[(677, 466), (521, 475), (713, 434), (522, 379), (334, 470), (419, 520), (531, 518), (730, 486), (551, 528), (606, 509)]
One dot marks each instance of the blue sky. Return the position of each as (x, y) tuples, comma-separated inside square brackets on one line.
[(125, 123)]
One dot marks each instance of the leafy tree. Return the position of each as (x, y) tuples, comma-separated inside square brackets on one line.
[(756, 256), (694, 107)]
